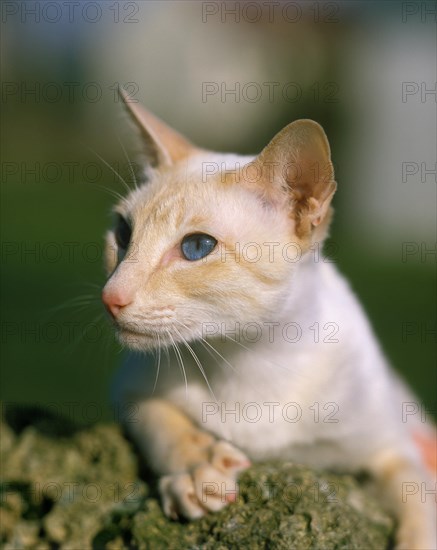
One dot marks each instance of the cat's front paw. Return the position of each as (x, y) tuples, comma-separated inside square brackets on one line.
[(192, 495), (207, 488)]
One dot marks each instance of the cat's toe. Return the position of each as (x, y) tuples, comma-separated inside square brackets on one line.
[(228, 459), (179, 498), (214, 489)]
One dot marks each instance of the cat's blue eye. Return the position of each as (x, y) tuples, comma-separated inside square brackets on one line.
[(197, 245), (123, 233)]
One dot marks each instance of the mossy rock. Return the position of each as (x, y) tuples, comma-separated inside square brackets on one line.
[(83, 490)]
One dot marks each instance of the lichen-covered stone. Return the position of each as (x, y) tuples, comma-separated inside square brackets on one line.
[(77, 489)]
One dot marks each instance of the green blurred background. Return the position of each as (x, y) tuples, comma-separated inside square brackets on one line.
[(344, 64)]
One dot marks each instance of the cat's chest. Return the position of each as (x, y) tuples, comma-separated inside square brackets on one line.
[(263, 403), (264, 411)]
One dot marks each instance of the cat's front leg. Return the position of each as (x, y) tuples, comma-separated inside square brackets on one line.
[(411, 493), (198, 473)]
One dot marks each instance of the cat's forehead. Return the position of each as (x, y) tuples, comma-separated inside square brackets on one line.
[(199, 181), (199, 195)]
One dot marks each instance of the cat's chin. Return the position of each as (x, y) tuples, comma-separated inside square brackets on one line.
[(140, 337), (137, 341)]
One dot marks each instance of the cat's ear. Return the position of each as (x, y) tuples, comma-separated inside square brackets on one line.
[(161, 145), (297, 172)]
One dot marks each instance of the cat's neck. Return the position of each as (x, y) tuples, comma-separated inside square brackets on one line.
[(304, 290)]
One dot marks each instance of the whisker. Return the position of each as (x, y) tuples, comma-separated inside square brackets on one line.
[(111, 192), (72, 303), (255, 352), (206, 343), (167, 353), (202, 341), (180, 361), (129, 164), (158, 366), (199, 364), (123, 181)]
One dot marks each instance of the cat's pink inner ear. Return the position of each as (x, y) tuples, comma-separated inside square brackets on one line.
[(167, 145), (297, 172)]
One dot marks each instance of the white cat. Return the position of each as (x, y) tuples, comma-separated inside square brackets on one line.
[(218, 253)]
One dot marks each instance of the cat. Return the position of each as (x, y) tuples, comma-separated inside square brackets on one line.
[(216, 253)]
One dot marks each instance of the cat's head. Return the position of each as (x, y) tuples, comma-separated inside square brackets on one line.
[(212, 240)]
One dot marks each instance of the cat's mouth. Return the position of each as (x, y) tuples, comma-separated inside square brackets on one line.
[(150, 331), (145, 337)]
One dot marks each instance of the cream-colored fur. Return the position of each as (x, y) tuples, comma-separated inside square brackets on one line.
[(226, 397)]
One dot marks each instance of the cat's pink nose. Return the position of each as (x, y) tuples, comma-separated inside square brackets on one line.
[(115, 300)]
